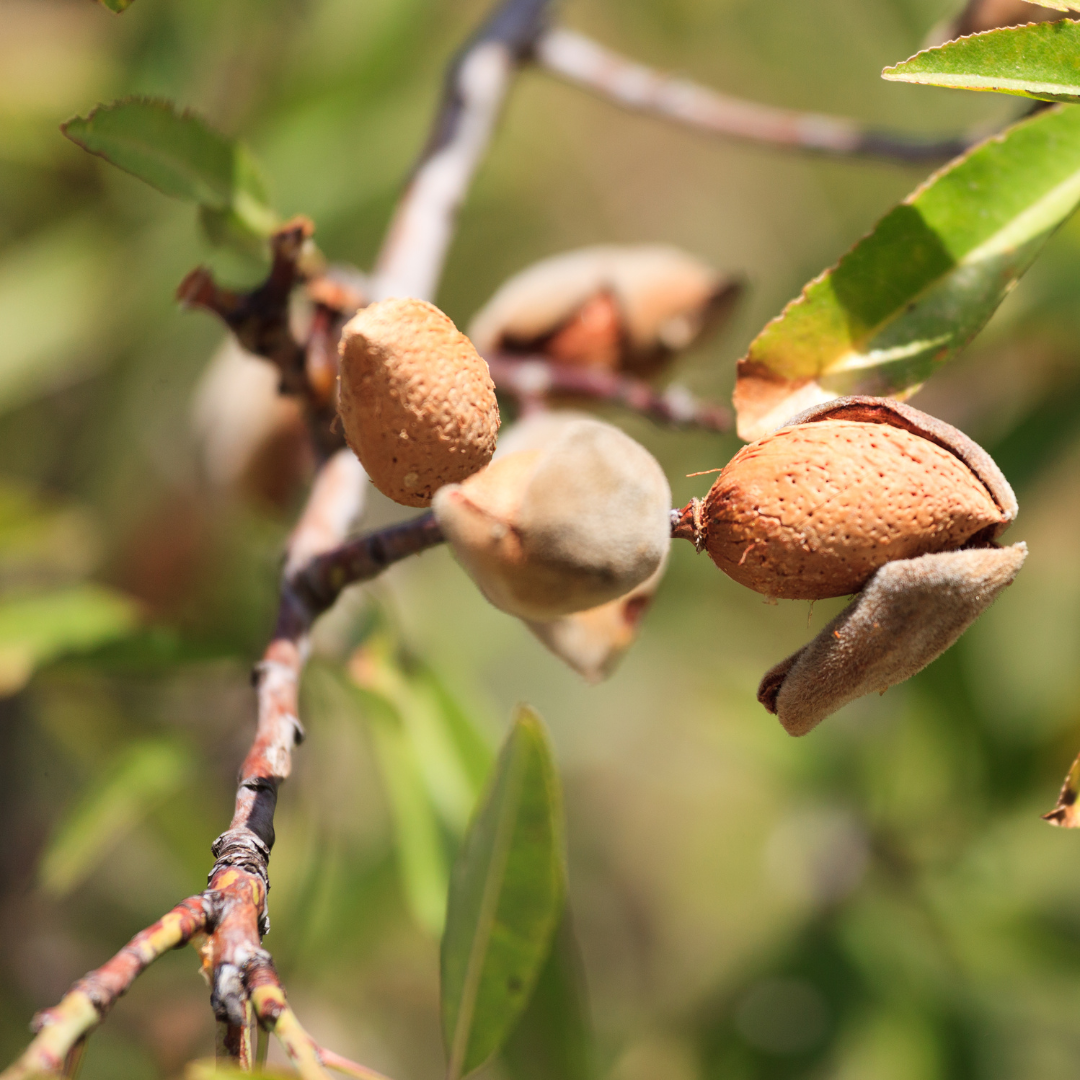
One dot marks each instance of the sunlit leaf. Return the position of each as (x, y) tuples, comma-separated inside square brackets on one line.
[(179, 154), (1040, 60), (418, 843), (506, 898), (116, 5), (923, 283), (37, 629), (145, 775), (553, 1039)]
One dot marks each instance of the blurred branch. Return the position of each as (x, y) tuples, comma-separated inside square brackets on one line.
[(477, 82), (61, 1029), (533, 378), (588, 64)]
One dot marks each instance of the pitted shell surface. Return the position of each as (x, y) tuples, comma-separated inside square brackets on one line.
[(417, 403), (812, 511)]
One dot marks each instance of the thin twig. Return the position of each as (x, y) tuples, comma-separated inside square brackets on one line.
[(412, 256), (532, 378), (86, 1004), (586, 63)]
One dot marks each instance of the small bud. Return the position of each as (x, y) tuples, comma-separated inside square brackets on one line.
[(567, 527), (417, 403), (620, 308)]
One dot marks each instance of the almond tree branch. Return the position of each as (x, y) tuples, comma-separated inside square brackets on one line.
[(584, 62), (233, 910), (412, 256), (535, 378), (62, 1028)]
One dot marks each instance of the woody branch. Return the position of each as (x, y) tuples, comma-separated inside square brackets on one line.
[(232, 912)]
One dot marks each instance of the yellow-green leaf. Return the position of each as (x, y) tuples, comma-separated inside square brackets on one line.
[(181, 155), (1040, 60), (923, 283)]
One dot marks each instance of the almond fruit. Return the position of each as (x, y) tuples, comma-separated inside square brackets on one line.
[(815, 508), (617, 307), (549, 531), (416, 400)]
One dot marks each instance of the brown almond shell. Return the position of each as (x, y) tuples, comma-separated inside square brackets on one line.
[(417, 402), (812, 510)]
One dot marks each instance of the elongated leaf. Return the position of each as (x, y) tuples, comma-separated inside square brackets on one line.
[(506, 898), (1041, 60), (37, 629), (452, 757), (179, 154), (553, 1038), (421, 858), (146, 774), (923, 283)]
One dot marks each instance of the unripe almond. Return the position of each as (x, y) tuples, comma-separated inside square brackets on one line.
[(417, 403), (813, 510), (617, 307), (545, 532)]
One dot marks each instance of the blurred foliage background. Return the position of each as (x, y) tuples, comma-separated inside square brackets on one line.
[(879, 899)]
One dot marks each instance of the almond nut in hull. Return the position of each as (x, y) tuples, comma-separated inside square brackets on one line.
[(812, 511), (417, 403)]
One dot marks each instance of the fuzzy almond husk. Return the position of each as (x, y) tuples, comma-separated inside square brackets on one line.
[(417, 403), (910, 612), (570, 526), (626, 307), (593, 642), (813, 510)]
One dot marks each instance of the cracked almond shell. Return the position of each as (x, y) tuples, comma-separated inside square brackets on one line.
[(417, 403), (814, 509)]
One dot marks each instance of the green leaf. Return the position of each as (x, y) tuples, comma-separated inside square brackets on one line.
[(923, 283), (418, 843), (145, 775), (37, 629), (116, 5), (506, 898), (1041, 60), (553, 1038), (452, 756), (179, 154)]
